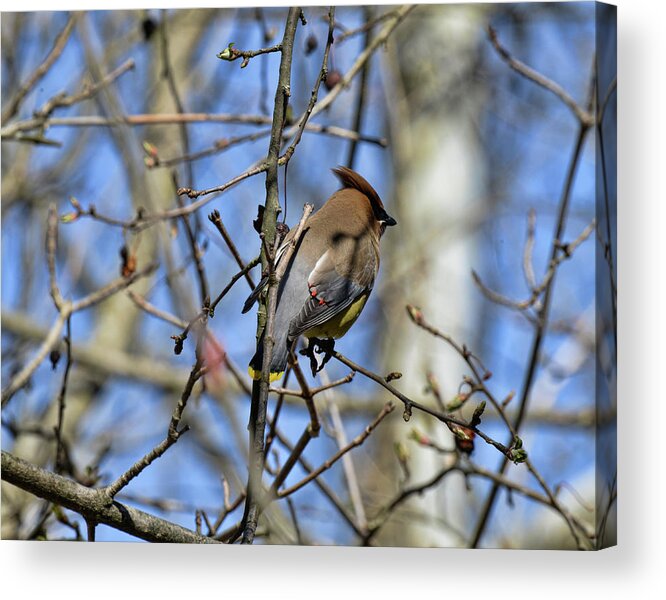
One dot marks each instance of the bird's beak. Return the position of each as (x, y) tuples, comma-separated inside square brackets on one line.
[(389, 221)]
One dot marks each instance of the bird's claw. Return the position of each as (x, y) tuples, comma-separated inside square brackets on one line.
[(318, 346)]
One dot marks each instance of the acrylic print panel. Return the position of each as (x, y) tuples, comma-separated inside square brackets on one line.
[(152, 163)]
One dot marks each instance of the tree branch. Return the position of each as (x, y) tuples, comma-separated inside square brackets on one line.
[(257, 422), (56, 51), (93, 504)]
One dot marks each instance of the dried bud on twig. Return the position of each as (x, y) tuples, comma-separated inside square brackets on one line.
[(332, 79), (463, 436), (128, 266), (310, 44), (54, 357), (148, 27), (476, 416), (259, 221), (178, 346)]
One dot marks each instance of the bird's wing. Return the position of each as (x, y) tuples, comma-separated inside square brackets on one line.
[(252, 298), (332, 291)]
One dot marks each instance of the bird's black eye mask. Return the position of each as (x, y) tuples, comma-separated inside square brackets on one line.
[(383, 217)]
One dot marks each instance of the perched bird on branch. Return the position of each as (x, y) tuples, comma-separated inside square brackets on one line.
[(331, 272)]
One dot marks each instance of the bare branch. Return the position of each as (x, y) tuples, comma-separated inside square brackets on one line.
[(528, 267), (173, 435), (583, 116), (537, 290), (58, 46), (357, 441), (67, 309), (94, 504), (315, 90), (391, 23), (231, 54), (88, 91), (542, 323), (216, 220), (257, 423)]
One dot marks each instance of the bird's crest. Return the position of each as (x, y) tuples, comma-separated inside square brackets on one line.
[(351, 179)]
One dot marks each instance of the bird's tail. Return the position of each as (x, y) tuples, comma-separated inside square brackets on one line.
[(278, 359)]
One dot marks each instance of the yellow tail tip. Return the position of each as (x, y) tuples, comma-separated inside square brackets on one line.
[(256, 375)]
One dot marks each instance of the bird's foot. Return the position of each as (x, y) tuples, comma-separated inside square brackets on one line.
[(318, 346)]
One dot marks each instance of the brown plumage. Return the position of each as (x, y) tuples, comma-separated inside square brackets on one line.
[(332, 271)]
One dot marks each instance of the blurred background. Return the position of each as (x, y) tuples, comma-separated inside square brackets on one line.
[(460, 148)]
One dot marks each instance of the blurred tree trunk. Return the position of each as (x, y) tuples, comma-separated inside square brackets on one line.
[(434, 101)]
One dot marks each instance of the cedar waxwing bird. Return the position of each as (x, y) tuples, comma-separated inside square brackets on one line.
[(331, 271)]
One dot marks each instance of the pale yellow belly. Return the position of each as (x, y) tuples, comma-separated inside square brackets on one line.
[(340, 323)]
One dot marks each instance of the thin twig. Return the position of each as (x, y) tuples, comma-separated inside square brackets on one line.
[(208, 309), (317, 390), (67, 309), (221, 145), (289, 464), (584, 117), (87, 91), (9, 131), (366, 27), (229, 507), (53, 55), (308, 397), (363, 84), (542, 323), (173, 435), (231, 54), (412, 404), (111, 288), (167, 73), (315, 90), (292, 513), (276, 414), (60, 450), (197, 254), (357, 441), (51, 251), (324, 488), (566, 253), (392, 22), (133, 120), (528, 266), (146, 306), (216, 220), (347, 461)]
